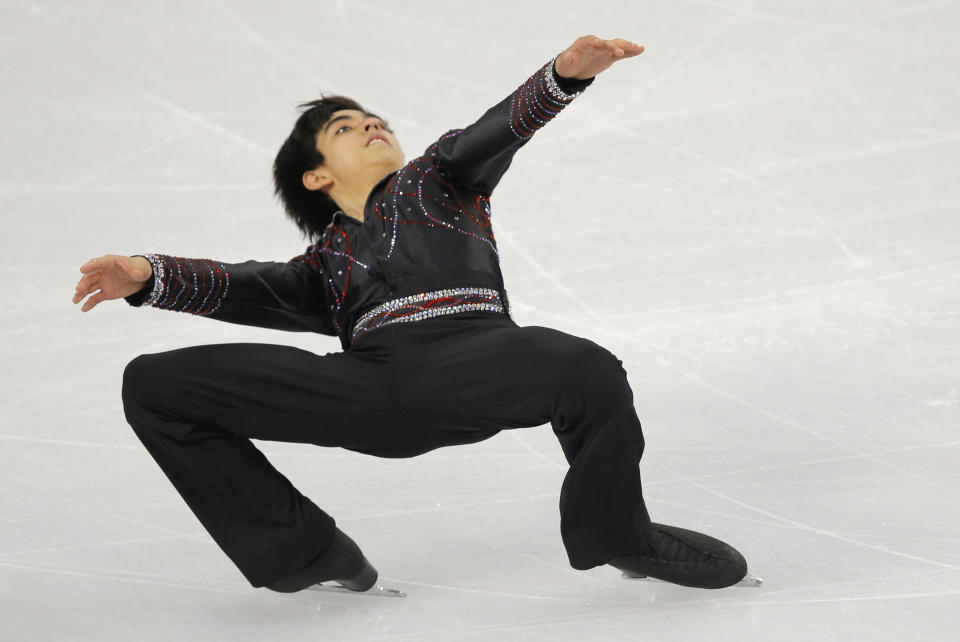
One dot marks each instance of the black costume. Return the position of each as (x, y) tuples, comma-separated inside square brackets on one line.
[(431, 358)]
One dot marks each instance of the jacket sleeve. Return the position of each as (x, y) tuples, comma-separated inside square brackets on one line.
[(477, 156), (282, 296)]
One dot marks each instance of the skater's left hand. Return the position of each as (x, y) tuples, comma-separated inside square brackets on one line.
[(589, 55)]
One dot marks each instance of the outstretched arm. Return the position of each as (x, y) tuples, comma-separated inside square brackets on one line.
[(267, 294), (477, 156)]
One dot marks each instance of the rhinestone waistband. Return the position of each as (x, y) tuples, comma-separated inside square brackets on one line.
[(426, 305)]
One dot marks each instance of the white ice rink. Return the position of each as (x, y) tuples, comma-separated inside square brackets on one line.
[(760, 216)]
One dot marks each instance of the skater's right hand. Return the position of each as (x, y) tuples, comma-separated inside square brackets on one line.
[(114, 275)]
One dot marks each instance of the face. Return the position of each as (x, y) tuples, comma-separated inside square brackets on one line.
[(356, 148)]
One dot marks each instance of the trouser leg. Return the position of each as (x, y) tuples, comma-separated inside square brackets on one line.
[(404, 390), (493, 374), (195, 410), (603, 513)]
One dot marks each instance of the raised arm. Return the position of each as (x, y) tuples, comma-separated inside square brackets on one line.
[(267, 294), (477, 156)]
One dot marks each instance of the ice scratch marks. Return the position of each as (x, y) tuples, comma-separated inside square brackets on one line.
[(78, 547), (202, 538), (268, 47), (749, 12), (813, 462), (672, 69), (860, 27), (520, 440), (450, 507), (861, 598), (117, 576), (566, 570), (819, 531), (117, 163), (886, 580), (696, 109), (129, 188), (613, 115), (84, 375), (869, 152), (918, 276), (206, 124), (603, 321), (782, 197), (68, 442), (776, 417), (527, 596), (678, 63)]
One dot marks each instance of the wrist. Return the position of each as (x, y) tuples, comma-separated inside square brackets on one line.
[(566, 87), (144, 264), (153, 286)]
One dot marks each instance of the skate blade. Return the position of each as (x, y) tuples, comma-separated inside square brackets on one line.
[(748, 580), (374, 591)]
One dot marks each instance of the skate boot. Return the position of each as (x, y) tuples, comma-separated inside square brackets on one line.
[(684, 557), (342, 561)]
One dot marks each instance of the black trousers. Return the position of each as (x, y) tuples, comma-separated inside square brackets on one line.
[(400, 391)]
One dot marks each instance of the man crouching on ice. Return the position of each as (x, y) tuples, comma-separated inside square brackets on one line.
[(404, 268)]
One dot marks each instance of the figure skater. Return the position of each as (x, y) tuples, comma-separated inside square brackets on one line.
[(403, 267)]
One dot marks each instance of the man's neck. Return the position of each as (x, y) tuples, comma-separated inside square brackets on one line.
[(351, 203), (352, 198)]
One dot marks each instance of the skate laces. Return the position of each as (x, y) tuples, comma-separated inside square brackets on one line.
[(670, 548)]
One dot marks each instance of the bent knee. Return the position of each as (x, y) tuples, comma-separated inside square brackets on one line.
[(596, 372), (140, 377)]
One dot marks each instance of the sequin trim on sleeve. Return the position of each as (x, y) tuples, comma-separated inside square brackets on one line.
[(555, 89), (196, 286), (537, 101), (157, 264)]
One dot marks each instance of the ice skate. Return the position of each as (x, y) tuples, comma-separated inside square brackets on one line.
[(376, 590), (342, 562), (687, 558), (749, 579)]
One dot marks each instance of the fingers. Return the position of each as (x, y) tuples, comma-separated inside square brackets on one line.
[(629, 49), (84, 281), (90, 282), (79, 294), (588, 43), (617, 47), (92, 301), (86, 285), (92, 265)]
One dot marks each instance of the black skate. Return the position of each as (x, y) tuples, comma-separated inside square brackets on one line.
[(342, 562), (687, 558)]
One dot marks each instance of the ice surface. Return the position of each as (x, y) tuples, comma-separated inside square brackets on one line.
[(760, 216)]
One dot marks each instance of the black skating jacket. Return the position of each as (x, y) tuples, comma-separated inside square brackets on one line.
[(426, 227)]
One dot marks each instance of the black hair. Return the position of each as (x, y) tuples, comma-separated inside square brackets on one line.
[(312, 211)]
